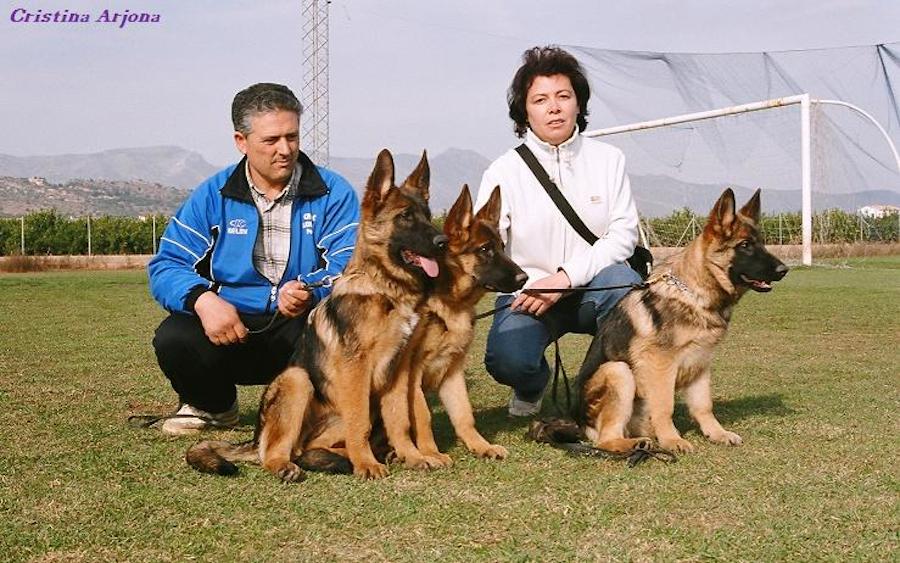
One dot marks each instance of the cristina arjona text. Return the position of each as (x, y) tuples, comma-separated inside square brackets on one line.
[(119, 19)]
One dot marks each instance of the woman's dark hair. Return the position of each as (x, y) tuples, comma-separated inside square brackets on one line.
[(546, 61)]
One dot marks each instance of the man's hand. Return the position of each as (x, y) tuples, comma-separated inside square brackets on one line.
[(539, 303), (220, 320), (293, 299)]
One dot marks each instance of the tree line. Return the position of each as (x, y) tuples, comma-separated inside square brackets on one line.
[(47, 232)]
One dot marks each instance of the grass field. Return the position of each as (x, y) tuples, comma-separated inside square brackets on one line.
[(809, 375)]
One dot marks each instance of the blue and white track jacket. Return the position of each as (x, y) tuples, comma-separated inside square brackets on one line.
[(208, 244)]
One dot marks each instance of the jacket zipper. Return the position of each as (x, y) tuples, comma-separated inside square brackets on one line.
[(560, 186), (274, 292), (558, 167)]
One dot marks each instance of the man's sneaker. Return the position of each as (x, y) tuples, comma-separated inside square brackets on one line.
[(518, 407), (191, 420)]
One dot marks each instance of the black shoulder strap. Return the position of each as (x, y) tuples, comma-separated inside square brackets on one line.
[(560, 200)]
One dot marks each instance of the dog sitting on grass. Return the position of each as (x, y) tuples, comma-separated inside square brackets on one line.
[(660, 339)]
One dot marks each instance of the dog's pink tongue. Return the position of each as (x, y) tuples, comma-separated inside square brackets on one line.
[(430, 266)]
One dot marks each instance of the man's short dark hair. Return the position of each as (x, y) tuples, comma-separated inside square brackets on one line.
[(546, 61), (261, 98)]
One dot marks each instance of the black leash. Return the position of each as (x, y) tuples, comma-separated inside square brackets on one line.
[(558, 368), (269, 324), (566, 435), (326, 282), (641, 285), (635, 457)]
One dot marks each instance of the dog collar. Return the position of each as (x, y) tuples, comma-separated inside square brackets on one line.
[(670, 279)]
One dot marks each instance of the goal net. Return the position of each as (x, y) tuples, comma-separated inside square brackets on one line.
[(680, 167)]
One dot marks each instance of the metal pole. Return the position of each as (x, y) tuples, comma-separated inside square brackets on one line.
[(154, 234), (701, 115), (806, 179), (22, 220), (89, 234)]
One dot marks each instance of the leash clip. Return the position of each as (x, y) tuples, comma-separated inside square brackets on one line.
[(327, 281)]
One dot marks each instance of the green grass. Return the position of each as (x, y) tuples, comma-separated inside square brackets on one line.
[(808, 376)]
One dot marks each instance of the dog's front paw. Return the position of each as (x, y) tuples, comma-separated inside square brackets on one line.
[(492, 451), (677, 445), (289, 472), (418, 462), (725, 438), (437, 460), (370, 470)]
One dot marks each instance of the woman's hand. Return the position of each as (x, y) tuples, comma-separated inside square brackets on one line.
[(539, 303)]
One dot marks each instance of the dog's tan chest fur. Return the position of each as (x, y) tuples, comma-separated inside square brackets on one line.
[(448, 337)]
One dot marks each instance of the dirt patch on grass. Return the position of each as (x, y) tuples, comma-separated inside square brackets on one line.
[(18, 263)]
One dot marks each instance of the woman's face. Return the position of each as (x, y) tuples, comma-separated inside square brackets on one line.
[(551, 108)]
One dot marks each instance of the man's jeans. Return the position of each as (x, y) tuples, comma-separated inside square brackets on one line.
[(516, 341)]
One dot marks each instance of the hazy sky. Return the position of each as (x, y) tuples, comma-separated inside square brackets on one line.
[(406, 75)]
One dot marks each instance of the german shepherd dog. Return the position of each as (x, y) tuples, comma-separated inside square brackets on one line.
[(660, 339), (347, 356), (435, 360)]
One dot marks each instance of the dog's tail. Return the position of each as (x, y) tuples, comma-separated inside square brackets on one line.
[(556, 431), (325, 461), (217, 456)]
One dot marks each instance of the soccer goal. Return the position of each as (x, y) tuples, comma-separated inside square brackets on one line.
[(789, 146)]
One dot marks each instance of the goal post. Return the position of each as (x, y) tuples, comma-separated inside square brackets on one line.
[(805, 102)]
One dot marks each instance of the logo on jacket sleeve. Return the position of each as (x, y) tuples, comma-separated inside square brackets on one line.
[(237, 227)]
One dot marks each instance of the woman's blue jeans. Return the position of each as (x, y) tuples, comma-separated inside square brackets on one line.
[(516, 341)]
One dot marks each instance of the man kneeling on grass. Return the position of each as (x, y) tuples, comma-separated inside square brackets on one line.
[(258, 237)]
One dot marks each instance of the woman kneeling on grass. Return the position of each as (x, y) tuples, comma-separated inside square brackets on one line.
[(548, 101)]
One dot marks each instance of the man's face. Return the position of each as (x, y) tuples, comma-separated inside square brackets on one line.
[(271, 146)]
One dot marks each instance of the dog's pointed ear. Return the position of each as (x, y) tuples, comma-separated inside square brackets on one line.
[(721, 218), (490, 211), (381, 180), (459, 218), (420, 178), (752, 207)]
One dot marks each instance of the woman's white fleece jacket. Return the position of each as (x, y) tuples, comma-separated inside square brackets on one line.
[(591, 175)]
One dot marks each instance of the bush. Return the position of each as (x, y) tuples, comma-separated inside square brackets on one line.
[(47, 232)]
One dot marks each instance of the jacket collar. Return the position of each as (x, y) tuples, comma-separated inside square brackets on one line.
[(567, 149), (310, 185)]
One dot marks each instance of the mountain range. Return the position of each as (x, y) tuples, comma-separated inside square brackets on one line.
[(139, 181), (168, 166)]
